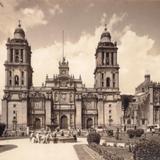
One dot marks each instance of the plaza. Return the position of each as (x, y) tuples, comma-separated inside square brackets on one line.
[(26, 150)]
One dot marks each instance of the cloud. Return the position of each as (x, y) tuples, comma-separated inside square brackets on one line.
[(90, 6), (10, 15), (103, 19), (56, 9), (33, 17), (115, 20), (134, 60)]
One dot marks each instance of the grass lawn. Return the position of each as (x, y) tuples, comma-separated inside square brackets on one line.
[(81, 152), (121, 152), (7, 147)]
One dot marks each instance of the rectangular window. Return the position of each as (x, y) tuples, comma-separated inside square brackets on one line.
[(10, 73), (22, 82), (113, 84), (10, 82), (102, 58), (11, 55), (143, 121), (102, 75), (112, 58), (22, 74), (113, 76), (16, 55), (107, 58)]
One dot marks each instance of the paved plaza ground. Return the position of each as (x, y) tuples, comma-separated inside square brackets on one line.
[(25, 150)]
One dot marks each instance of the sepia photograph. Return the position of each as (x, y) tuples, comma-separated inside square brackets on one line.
[(80, 79)]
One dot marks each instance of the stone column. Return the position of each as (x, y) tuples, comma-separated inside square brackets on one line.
[(48, 112), (115, 58), (6, 77), (23, 119), (5, 112), (24, 56), (117, 79), (8, 52), (78, 105), (150, 116), (100, 111), (13, 55), (26, 78)]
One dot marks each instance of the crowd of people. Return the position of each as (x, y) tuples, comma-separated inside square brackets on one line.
[(45, 137)]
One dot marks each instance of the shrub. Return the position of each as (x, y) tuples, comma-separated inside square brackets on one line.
[(93, 137), (110, 133), (102, 151), (131, 133), (139, 132), (146, 150), (2, 127), (135, 133)]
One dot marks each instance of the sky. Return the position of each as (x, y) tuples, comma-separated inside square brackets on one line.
[(134, 24)]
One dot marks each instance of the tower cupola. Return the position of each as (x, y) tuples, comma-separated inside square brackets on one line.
[(105, 36), (19, 32)]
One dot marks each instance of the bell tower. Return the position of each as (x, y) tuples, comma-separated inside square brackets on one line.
[(107, 70), (18, 70)]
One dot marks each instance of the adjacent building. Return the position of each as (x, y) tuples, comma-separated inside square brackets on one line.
[(144, 111), (62, 100)]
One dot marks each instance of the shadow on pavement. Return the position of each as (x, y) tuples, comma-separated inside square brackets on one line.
[(7, 147)]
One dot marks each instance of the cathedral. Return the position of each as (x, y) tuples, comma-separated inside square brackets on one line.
[(62, 101)]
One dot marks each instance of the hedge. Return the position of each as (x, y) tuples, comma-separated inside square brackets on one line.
[(110, 133), (135, 133), (147, 150), (102, 151), (93, 137)]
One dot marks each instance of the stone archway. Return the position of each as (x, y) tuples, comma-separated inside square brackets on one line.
[(64, 122), (37, 123), (89, 123)]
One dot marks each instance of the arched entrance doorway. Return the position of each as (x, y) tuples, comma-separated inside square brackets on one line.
[(37, 123), (89, 123), (64, 122)]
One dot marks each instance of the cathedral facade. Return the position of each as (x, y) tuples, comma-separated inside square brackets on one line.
[(62, 100)]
